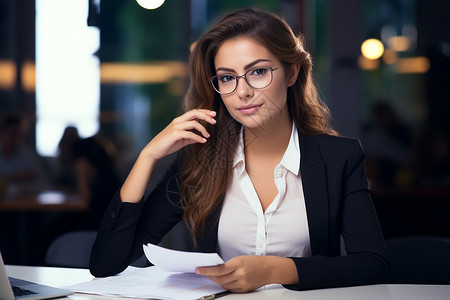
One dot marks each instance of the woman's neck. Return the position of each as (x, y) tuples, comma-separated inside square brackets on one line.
[(268, 140)]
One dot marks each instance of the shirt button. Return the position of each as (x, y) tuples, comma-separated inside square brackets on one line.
[(279, 173), (260, 245), (113, 215)]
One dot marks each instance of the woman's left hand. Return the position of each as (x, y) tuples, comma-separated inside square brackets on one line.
[(240, 274)]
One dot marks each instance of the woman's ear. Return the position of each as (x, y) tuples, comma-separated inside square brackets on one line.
[(292, 74)]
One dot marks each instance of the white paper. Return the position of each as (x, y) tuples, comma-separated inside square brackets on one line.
[(150, 283), (180, 261)]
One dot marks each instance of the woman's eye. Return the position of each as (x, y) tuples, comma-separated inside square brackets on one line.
[(259, 71), (225, 78)]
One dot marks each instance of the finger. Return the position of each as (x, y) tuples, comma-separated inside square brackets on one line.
[(231, 284), (189, 137), (202, 114), (224, 280), (212, 113), (189, 125), (213, 271), (205, 115)]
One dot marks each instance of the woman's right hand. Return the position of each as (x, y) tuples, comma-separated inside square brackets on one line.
[(179, 133)]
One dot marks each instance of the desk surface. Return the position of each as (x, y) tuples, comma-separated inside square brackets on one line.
[(44, 201), (59, 277)]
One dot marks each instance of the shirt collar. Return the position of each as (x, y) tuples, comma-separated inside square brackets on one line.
[(239, 157), (290, 160)]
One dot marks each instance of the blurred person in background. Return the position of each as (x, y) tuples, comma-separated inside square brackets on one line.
[(96, 177), (21, 170), (90, 173), (64, 174)]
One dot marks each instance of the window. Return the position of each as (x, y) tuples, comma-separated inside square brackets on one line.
[(67, 72)]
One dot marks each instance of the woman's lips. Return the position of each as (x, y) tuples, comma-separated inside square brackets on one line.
[(249, 109)]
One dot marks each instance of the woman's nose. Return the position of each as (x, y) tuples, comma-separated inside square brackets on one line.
[(243, 89)]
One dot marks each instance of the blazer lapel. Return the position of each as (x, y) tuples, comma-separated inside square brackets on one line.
[(314, 180)]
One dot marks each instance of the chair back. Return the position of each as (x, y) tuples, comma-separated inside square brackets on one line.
[(419, 260), (72, 249)]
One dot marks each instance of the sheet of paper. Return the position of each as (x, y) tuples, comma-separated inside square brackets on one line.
[(150, 283), (179, 261)]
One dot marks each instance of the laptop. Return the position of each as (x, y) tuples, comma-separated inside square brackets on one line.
[(13, 288)]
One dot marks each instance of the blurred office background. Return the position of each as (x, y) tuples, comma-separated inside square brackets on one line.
[(85, 84)]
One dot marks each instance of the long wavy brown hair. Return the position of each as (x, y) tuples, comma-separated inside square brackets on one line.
[(207, 168)]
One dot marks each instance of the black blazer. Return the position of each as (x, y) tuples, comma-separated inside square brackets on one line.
[(337, 203)]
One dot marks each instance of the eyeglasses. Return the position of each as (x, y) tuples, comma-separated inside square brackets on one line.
[(257, 78)]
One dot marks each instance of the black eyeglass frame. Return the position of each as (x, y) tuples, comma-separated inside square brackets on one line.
[(237, 77)]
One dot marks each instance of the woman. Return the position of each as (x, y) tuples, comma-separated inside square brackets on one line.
[(260, 177)]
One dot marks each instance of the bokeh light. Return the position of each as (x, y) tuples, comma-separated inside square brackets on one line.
[(372, 49), (150, 4)]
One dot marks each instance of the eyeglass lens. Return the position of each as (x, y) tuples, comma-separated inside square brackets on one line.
[(257, 78)]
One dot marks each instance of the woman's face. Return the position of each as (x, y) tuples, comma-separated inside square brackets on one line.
[(252, 107)]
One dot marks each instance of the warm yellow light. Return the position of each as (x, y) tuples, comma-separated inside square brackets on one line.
[(150, 4), (29, 76), (157, 72), (147, 73), (411, 65), (399, 43), (372, 49), (7, 74), (368, 64)]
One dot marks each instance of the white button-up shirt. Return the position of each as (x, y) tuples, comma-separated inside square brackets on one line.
[(282, 230)]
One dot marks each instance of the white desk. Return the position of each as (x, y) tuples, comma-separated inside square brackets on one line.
[(64, 276)]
